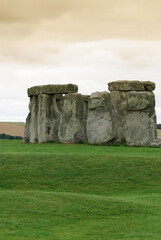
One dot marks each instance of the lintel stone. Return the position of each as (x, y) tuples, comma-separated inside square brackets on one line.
[(125, 85), (52, 89)]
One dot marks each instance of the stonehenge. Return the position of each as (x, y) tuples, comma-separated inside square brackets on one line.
[(125, 114)]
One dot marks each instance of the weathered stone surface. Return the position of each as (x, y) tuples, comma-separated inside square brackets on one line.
[(137, 129), (101, 127), (156, 143), (26, 138), (31, 128), (52, 89), (149, 86), (119, 102), (85, 114), (43, 119), (124, 85), (140, 101), (126, 114), (133, 103), (48, 118), (72, 127)]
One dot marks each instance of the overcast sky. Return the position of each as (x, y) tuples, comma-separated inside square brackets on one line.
[(87, 42)]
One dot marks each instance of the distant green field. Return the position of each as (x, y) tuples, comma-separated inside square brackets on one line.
[(79, 192), (15, 123)]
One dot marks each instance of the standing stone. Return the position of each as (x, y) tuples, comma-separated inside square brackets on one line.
[(141, 106), (31, 128), (134, 105), (48, 118), (72, 127), (118, 101), (26, 138), (85, 114), (127, 114), (45, 105), (101, 125), (152, 128), (137, 125)]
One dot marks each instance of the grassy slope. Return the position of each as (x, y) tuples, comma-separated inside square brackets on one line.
[(70, 192)]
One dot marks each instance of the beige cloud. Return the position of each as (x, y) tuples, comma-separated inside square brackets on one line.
[(85, 20), (32, 29), (78, 41)]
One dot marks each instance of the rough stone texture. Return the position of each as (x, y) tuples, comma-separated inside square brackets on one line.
[(26, 138), (72, 126), (140, 101), (125, 85), (126, 114), (136, 126), (101, 127), (43, 119), (119, 101), (52, 89), (48, 118), (156, 143), (31, 134), (85, 114), (132, 108), (152, 127)]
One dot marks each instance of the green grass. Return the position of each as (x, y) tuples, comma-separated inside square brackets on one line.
[(79, 192), (15, 123)]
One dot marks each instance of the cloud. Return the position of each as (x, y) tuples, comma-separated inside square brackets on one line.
[(139, 54), (90, 65), (87, 42), (72, 20), (33, 30), (31, 10)]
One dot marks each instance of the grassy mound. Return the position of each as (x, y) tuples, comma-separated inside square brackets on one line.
[(70, 192)]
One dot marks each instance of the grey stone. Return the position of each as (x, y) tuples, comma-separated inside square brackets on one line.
[(156, 143), (48, 118), (26, 138), (85, 114), (126, 114), (152, 127), (149, 86), (119, 102), (43, 119), (72, 127), (100, 122), (140, 101), (52, 89), (125, 102), (137, 129), (124, 85), (31, 129)]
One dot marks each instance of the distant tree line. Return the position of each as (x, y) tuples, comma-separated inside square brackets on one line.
[(158, 126), (5, 136)]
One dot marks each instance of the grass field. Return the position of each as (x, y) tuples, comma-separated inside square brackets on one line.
[(79, 192), (12, 128), (159, 133)]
